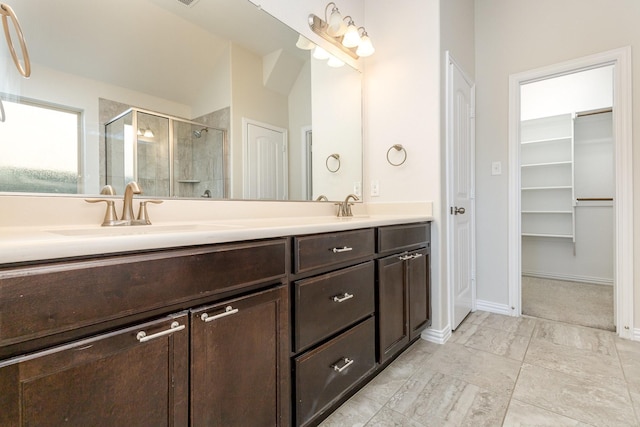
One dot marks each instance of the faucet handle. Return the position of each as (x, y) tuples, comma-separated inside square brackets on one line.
[(143, 214), (110, 216), (340, 208)]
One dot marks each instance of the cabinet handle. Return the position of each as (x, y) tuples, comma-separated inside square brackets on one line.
[(228, 311), (347, 363), (405, 257), (343, 297), (414, 256), (175, 327), (342, 249)]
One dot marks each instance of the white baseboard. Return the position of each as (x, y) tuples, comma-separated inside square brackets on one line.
[(436, 336), (569, 277), (636, 334), (493, 307)]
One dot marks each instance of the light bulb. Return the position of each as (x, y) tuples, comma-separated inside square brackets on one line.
[(351, 37), (320, 53), (148, 133), (336, 26), (334, 62), (304, 43), (365, 48)]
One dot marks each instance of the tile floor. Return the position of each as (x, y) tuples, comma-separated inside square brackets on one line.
[(505, 371)]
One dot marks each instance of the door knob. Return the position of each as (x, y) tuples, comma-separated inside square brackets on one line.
[(457, 210)]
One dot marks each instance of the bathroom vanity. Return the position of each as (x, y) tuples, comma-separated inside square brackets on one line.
[(276, 330)]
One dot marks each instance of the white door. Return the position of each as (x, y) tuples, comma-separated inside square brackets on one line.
[(460, 192), (265, 171)]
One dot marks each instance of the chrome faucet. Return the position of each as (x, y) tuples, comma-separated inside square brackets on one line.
[(127, 208), (344, 208)]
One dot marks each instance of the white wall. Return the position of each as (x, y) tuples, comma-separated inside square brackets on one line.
[(402, 106), (513, 37), (299, 119), (583, 91)]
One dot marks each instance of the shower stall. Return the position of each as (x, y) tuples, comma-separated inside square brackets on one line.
[(167, 156)]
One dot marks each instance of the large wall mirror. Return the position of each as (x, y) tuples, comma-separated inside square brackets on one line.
[(210, 99)]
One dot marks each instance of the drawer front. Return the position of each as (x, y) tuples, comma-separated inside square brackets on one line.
[(322, 250), (329, 303), (324, 374), (398, 237), (44, 300)]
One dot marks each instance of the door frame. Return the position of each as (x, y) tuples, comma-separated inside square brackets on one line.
[(448, 219), (623, 211)]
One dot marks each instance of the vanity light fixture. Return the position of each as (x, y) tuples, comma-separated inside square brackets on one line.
[(351, 37), (365, 48), (304, 43), (335, 24), (334, 62), (320, 53), (342, 32)]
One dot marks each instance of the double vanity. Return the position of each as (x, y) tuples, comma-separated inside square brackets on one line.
[(251, 321)]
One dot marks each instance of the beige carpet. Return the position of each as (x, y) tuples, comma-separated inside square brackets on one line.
[(570, 302)]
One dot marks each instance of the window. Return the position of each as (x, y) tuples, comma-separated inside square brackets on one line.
[(39, 148)]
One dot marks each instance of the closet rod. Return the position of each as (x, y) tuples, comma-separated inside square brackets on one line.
[(592, 112)]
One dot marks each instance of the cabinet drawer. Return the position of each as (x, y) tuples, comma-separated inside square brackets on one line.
[(322, 250), (328, 303), (399, 237), (39, 301), (322, 375)]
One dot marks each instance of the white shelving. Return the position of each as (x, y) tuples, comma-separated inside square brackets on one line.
[(547, 177)]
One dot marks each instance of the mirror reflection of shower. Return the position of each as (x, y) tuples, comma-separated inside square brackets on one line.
[(183, 159), (198, 133)]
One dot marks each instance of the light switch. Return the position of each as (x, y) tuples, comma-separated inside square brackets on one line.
[(496, 168)]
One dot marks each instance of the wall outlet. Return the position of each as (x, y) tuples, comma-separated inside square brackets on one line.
[(375, 188), (496, 168), (357, 188)]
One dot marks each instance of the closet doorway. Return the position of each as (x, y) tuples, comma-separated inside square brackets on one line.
[(569, 192)]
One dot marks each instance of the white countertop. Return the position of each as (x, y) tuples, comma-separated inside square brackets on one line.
[(31, 243)]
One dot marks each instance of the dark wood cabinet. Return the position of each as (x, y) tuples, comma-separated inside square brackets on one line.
[(136, 376), (393, 297), (403, 286), (418, 279), (239, 361)]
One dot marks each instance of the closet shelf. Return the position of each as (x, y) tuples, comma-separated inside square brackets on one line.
[(547, 212), (565, 162), (538, 141), (555, 187), (561, 236)]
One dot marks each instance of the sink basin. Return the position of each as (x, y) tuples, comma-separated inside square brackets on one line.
[(142, 229)]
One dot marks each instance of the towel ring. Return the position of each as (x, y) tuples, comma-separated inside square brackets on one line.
[(335, 156), (398, 147), (7, 12)]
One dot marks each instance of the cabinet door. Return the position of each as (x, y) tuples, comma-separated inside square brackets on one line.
[(393, 325), (419, 292), (135, 377), (239, 369)]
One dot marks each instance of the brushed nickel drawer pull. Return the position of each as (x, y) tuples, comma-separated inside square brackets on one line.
[(343, 297), (342, 249), (405, 257), (347, 363), (228, 311), (175, 327), (414, 256)]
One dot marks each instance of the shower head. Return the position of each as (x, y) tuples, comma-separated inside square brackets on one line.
[(198, 133)]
